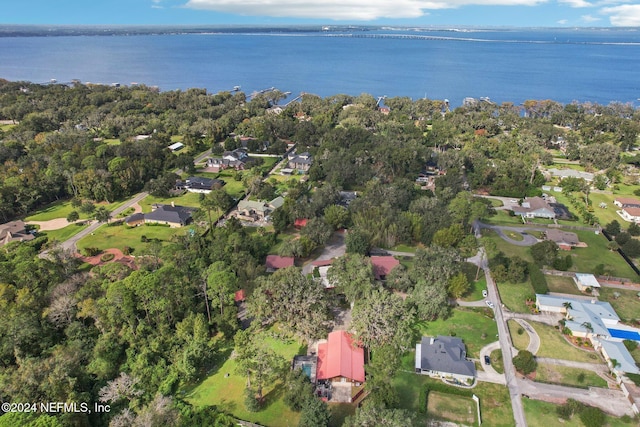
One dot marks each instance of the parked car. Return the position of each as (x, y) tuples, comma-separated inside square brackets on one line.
[(489, 303), (487, 360), (484, 293)]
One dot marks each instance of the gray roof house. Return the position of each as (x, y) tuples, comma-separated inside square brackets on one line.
[(534, 207), (174, 216), (444, 357), (570, 173), (199, 184), (301, 162), (14, 231)]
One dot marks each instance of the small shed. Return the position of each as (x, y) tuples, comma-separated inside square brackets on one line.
[(584, 281)]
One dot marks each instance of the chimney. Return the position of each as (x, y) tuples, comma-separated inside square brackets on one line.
[(173, 204), (432, 341)]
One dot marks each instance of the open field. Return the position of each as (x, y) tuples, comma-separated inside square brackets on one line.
[(452, 408), (62, 208), (553, 345), (586, 259), (502, 217), (225, 389), (495, 405), (520, 341), (186, 199), (565, 375), (474, 328), (65, 233), (514, 296), (543, 414), (563, 285), (119, 236), (506, 247), (627, 305)]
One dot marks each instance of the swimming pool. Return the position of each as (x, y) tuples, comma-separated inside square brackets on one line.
[(306, 368), (625, 335)]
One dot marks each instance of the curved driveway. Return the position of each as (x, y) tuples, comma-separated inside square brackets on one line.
[(534, 339), (527, 239)]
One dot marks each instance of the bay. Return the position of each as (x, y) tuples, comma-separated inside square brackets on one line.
[(584, 65)]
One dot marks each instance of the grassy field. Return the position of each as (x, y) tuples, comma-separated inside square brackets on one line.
[(496, 361), (452, 408), (565, 375), (62, 208), (225, 389), (495, 405), (561, 284), (553, 345), (474, 328), (543, 414), (476, 288), (586, 259), (506, 247), (119, 236), (340, 411), (186, 199), (520, 341), (502, 217), (514, 296), (65, 233), (627, 305)]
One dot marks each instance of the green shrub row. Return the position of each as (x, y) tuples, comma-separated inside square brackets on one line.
[(538, 280)]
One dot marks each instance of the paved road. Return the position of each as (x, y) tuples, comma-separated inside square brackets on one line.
[(506, 346), (611, 401), (527, 239), (70, 244)]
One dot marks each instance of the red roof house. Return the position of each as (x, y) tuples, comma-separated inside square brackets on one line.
[(300, 222), (275, 262), (239, 296), (382, 266), (339, 358)]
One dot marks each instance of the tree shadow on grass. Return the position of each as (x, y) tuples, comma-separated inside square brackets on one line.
[(275, 394)]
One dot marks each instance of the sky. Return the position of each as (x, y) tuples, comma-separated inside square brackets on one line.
[(509, 13)]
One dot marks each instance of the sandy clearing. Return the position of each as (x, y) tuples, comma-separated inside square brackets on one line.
[(52, 224)]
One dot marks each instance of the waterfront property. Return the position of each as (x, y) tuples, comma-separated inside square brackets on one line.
[(444, 357)]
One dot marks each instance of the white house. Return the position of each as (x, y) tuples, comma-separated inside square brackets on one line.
[(534, 207), (630, 214), (585, 318)]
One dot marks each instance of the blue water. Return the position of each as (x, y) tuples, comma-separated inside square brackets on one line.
[(595, 65), (627, 335), (306, 368)]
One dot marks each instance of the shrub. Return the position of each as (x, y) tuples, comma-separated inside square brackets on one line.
[(107, 257), (144, 239), (538, 280), (91, 251), (592, 417), (524, 362), (127, 250), (423, 400), (520, 331), (580, 377)]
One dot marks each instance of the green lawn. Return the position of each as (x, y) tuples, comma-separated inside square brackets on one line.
[(553, 345), (627, 305), (62, 208), (225, 389), (474, 328), (565, 375), (443, 406), (520, 341), (65, 233), (543, 414), (119, 236), (340, 411), (496, 361), (586, 259), (476, 288), (506, 247), (186, 199), (503, 217), (495, 405), (513, 296), (562, 284)]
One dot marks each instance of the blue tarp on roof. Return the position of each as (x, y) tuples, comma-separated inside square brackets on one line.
[(625, 335)]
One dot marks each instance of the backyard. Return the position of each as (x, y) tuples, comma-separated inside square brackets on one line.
[(513, 296), (543, 414), (225, 388), (119, 236), (451, 408), (562, 284), (471, 325), (553, 345), (495, 405), (627, 305), (564, 375)]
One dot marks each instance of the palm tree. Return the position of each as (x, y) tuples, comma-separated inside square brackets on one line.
[(587, 326), (567, 306)]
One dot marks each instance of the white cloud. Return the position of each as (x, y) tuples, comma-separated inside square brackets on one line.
[(360, 10), (562, 22), (589, 18), (576, 3), (623, 16)]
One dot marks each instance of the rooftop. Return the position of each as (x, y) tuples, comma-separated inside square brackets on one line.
[(444, 354), (340, 357)]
